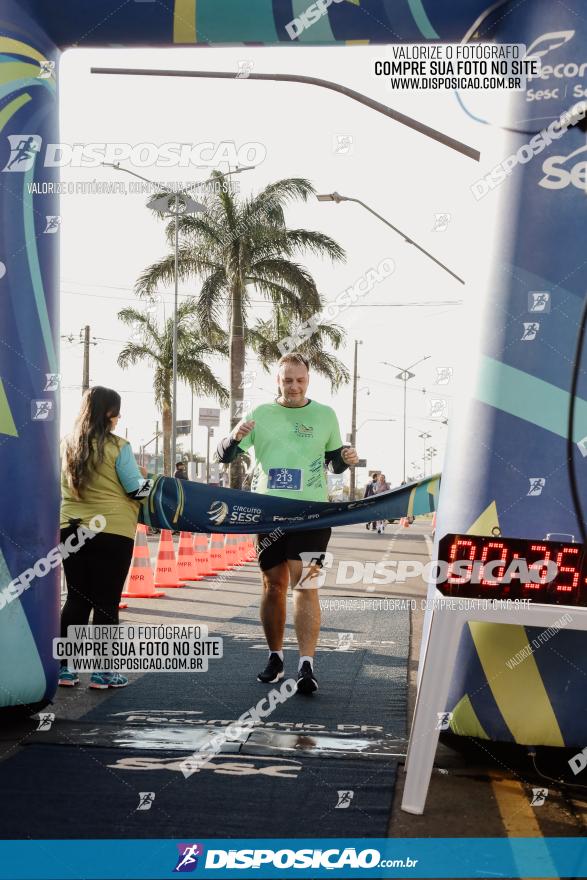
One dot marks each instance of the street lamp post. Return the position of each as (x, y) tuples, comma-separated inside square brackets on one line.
[(336, 197), (182, 204), (405, 375), (424, 436), (353, 475), (432, 453)]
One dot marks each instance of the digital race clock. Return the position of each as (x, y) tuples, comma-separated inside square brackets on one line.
[(484, 567)]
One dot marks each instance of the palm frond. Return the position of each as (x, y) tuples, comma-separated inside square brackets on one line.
[(318, 243)]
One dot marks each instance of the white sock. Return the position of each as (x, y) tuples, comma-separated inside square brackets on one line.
[(303, 660), (279, 654)]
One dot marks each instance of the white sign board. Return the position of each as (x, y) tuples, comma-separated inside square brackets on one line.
[(209, 418)]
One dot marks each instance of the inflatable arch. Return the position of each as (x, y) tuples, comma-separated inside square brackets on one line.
[(508, 432)]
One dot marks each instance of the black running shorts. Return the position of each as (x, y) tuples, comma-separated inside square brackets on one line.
[(274, 551)]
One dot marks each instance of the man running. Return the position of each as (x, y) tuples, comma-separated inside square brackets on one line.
[(294, 439)]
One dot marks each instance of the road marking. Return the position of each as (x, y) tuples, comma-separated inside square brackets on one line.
[(519, 818)]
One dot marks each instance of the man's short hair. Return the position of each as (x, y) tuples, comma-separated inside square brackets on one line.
[(294, 357)]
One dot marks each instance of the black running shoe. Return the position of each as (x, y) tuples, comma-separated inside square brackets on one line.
[(306, 683), (273, 671)]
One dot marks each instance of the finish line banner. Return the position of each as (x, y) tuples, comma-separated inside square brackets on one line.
[(304, 858), (182, 505)]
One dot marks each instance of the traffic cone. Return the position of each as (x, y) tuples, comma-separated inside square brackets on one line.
[(202, 554), (240, 549), (433, 520), (250, 551), (230, 551), (186, 561), (166, 574), (122, 605), (217, 556), (139, 584), (406, 523)]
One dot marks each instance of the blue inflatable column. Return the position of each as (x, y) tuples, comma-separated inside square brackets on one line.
[(507, 461), (29, 367)]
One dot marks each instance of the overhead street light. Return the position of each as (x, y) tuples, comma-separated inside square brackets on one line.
[(336, 197), (414, 124), (405, 375), (425, 435), (432, 453)]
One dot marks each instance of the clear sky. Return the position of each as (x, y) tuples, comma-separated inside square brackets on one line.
[(303, 131)]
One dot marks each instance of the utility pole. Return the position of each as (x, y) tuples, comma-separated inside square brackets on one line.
[(353, 475), (210, 434), (86, 372), (192, 429), (156, 443), (174, 355)]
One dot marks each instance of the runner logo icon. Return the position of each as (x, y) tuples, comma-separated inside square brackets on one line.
[(314, 567), (23, 150), (218, 512), (189, 854)]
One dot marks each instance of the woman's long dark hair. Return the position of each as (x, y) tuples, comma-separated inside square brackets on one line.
[(99, 405)]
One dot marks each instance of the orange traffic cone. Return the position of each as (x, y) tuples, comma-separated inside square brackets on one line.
[(166, 574), (433, 520), (122, 605), (186, 560), (139, 584), (239, 543), (230, 551), (217, 555), (406, 523), (250, 552), (202, 554)]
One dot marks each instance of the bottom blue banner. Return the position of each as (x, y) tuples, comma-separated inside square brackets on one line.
[(478, 857)]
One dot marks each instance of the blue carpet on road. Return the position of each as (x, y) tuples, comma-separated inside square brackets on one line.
[(86, 781), (364, 684), (77, 792)]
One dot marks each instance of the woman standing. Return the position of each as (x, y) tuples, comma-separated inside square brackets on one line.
[(100, 478), (381, 486)]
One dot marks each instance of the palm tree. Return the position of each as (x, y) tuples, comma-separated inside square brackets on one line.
[(155, 345), (238, 246), (265, 336)]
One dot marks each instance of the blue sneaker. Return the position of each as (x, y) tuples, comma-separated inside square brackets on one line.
[(103, 680), (67, 678)]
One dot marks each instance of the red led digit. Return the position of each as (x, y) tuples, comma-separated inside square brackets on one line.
[(567, 569), (543, 573), (485, 582), (456, 545)]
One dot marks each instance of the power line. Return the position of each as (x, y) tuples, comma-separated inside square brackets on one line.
[(137, 299)]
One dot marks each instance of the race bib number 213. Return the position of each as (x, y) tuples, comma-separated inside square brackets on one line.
[(284, 478)]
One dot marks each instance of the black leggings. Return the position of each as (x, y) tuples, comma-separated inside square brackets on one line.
[(95, 577)]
